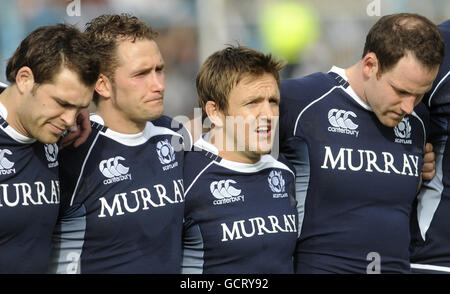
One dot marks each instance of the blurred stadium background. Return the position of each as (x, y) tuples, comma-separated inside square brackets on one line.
[(311, 35)]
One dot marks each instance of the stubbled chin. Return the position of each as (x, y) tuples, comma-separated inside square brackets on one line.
[(48, 139)]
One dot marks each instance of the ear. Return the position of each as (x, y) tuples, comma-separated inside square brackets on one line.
[(214, 114), (103, 86), (25, 79), (371, 65)]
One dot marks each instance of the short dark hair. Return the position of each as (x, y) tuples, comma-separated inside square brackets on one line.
[(395, 35), (47, 49), (106, 31), (224, 69)]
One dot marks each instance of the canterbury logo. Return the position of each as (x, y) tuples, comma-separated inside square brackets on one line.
[(111, 168), (340, 119), (4, 162), (223, 189)]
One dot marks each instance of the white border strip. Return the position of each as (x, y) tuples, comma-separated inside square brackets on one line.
[(430, 267), (196, 178), (82, 168), (423, 127), (437, 87), (310, 104)]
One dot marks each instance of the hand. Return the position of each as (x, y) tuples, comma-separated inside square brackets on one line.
[(429, 163), (78, 133)]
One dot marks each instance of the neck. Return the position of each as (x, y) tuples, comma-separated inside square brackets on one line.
[(219, 140), (356, 80), (118, 121), (11, 99)]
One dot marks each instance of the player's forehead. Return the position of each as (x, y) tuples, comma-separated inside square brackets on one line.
[(261, 85), (132, 53), (67, 86), (410, 75)]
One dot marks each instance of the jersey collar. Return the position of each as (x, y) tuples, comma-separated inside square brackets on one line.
[(349, 90)]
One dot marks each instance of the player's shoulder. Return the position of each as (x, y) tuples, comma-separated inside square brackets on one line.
[(444, 27), (422, 113), (2, 87), (286, 163), (71, 156), (445, 67), (198, 160), (175, 126), (165, 121), (298, 94), (436, 97), (306, 88)]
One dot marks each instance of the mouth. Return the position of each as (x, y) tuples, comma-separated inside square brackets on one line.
[(154, 100), (263, 131), (398, 116), (57, 130)]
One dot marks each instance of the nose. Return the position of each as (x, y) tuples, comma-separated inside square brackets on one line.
[(268, 110), (69, 117), (408, 104), (157, 82)]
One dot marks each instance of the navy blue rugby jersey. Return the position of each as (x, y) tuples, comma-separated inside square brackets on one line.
[(29, 200), (122, 202), (239, 218), (356, 179), (430, 246)]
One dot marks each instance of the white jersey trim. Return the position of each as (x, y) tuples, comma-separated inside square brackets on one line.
[(430, 194), (423, 128), (266, 161), (15, 135), (437, 87), (3, 111), (140, 138), (349, 90), (203, 143), (82, 169), (430, 267), (310, 104), (196, 178)]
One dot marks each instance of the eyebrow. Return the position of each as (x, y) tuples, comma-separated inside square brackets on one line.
[(62, 101), (148, 68), (408, 92), (262, 97)]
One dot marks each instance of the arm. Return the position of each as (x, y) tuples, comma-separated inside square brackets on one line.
[(429, 163), (78, 133)]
